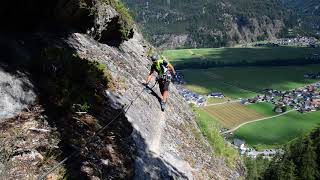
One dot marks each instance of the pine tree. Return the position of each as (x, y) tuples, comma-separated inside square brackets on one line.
[(261, 164), (315, 136), (251, 169), (273, 169), (294, 152), (309, 169), (289, 170)]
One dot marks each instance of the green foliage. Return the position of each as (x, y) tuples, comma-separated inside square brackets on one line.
[(255, 167), (307, 14), (308, 166), (210, 130), (84, 107), (206, 22), (67, 80), (126, 20), (299, 160)]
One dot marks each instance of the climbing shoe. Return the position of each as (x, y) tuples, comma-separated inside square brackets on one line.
[(163, 106)]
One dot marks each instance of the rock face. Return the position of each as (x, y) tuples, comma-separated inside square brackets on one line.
[(97, 17), (167, 143), (16, 94), (139, 140)]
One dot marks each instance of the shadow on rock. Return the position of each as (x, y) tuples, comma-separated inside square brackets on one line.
[(149, 166), (72, 92), (151, 91)]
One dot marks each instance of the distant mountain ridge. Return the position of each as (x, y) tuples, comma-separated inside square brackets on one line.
[(305, 6), (308, 12), (204, 23)]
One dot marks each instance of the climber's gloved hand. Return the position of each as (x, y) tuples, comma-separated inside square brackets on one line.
[(146, 85)]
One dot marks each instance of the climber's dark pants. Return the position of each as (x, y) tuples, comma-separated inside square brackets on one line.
[(163, 85)]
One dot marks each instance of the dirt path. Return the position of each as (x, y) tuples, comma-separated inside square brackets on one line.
[(262, 119)]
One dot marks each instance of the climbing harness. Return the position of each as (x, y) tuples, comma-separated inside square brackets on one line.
[(125, 109), (163, 106), (161, 67)]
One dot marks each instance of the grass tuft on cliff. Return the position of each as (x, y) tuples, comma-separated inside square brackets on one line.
[(209, 129), (126, 20)]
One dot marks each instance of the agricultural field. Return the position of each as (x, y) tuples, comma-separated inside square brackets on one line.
[(216, 100), (258, 78), (210, 129), (263, 108), (245, 82), (232, 55), (203, 82), (230, 115), (279, 130)]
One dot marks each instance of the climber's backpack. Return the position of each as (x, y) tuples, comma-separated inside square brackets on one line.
[(162, 69)]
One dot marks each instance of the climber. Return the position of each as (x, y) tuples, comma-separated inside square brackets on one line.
[(163, 68)]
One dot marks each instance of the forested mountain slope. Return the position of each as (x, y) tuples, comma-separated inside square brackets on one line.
[(308, 12), (209, 23), (305, 6)]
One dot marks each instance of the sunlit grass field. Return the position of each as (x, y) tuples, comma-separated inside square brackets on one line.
[(216, 100), (263, 108), (279, 130), (230, 115), (231, 55), (245, 82)]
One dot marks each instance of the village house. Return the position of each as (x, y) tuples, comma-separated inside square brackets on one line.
[(239, 143), (265, 154), (244, 101), (179, 79), (216, 95), (191, 97)]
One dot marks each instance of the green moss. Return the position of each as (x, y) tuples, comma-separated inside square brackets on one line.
[(84, 107), (126, 20)]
